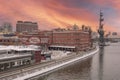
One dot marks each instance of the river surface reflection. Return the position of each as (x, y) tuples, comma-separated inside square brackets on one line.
[(105, 65)]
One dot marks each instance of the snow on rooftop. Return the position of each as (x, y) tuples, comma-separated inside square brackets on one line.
[(62, 46), (19, 48), (11, 56)]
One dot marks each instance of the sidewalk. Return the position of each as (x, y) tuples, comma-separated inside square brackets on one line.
[(35, 67)]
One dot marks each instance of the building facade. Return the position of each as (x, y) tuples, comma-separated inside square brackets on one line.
[(26, 26), (37, 38), (6, 27), (77, 39), (9, 39)]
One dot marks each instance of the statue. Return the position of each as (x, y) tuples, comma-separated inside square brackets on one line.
[(101, 31), (101, 38)]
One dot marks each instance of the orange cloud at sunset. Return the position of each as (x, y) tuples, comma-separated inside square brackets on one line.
[(58, 13)]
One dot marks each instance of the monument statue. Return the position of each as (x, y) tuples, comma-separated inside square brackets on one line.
[(101, 30)]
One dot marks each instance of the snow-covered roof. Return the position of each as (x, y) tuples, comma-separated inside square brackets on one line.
[(62, 46), (46, 52), (34, 46), (4, 48), (19, 48), (12, 56)]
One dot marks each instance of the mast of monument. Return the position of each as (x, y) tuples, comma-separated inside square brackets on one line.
[(101, 30)]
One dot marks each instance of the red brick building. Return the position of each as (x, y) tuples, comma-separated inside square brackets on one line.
[(37, 38), (77, 39), (68, 40)]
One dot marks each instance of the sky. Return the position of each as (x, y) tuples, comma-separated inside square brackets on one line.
[(51, 14)]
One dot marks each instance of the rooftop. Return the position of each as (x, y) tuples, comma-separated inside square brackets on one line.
[(20, 48)]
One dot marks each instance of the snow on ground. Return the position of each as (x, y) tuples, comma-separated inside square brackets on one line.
[(46, 69), (59, 54)]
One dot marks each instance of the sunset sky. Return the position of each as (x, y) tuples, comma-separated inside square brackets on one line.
[(62, 13)]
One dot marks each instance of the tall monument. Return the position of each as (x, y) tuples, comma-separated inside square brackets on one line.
[(101, 30)]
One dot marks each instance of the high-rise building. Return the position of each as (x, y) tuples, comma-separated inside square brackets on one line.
[(26, 26)]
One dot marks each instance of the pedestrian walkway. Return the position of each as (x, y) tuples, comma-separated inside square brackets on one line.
[(32, 71)]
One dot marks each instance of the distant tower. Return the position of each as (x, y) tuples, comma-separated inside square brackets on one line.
[(101, 30), (7, 27), (26, 26)]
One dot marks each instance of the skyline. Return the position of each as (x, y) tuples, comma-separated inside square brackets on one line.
[(61, 13)]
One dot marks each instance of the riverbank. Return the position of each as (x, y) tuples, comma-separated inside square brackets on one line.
[(58, 64), (44, 68)]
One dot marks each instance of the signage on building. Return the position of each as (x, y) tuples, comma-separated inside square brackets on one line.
[(34, 40)]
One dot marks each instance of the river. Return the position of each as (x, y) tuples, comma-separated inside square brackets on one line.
[(105, 65)]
